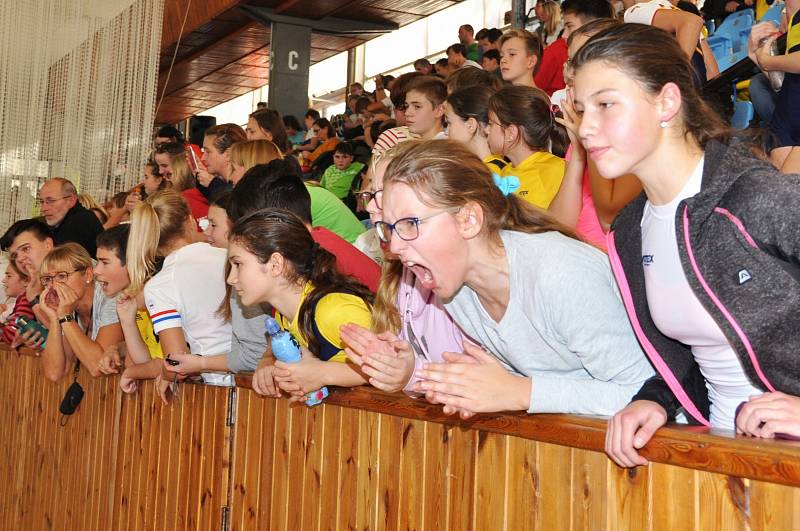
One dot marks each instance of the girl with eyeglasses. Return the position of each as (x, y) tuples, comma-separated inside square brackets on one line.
[(409, 325), (543, 304), (81, 320), (275, 261)]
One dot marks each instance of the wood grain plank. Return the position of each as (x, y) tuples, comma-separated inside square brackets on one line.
[(368, 447), (675, 497), (490, 481), (389, 473), (329, 477), (297, 461), (553, 486), (773, 507), (629, 497), (522, 502), (280, 472), (312, 473), (411, 487), (463, 449), (434, 472), (723, 503)]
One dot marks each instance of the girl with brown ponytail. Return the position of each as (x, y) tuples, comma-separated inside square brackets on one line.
[(542, 303), (274, 260)]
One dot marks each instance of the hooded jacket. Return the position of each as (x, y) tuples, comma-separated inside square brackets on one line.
[(739, 243)]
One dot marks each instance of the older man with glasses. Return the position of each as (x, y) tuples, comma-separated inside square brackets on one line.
[(67, 218)]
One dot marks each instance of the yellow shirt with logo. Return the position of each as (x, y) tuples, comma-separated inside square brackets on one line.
[(332, 311), (540, 177)]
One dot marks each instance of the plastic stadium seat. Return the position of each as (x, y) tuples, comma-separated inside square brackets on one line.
[(737, 28), (773, 14), (742, 115)]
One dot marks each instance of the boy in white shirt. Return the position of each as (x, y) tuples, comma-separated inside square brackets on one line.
[(425, 113)]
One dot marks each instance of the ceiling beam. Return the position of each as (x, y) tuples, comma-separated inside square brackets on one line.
[(327, 25)]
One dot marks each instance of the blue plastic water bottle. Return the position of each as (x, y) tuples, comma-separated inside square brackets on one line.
[(286, 349)]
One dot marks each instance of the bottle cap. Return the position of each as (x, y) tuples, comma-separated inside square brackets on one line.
[(272, 326)]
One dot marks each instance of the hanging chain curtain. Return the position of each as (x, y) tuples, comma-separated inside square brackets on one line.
[(77, 96)]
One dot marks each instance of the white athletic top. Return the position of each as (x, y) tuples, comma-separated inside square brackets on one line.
[(187, 293), (679, 314), (643, 13)]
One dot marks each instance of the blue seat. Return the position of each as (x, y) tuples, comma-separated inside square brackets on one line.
[(722, 48), (773, 14), (742, 115), (736, 23)]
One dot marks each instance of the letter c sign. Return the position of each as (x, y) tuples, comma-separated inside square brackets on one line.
[(293, 55)]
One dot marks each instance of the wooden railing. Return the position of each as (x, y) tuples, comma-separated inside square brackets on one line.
[(363, 460)]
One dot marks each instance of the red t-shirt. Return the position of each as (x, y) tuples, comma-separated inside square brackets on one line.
[(349, 260), (550, 76), (198, 205), (22, 308)]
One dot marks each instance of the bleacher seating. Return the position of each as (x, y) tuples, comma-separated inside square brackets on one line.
[(743, 113)]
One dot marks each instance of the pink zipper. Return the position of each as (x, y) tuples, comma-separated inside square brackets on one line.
[(715, 299), (662, 367)]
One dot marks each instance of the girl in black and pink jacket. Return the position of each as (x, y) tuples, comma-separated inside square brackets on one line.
[(706, 259)]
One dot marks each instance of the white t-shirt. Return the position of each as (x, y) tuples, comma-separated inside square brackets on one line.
[(643, 12), (679, 314), (187, 293)]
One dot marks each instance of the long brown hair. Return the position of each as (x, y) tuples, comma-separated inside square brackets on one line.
[(652, 58), (270, 120), (269, 231), (445, 174), (225, 135), (528, 109)]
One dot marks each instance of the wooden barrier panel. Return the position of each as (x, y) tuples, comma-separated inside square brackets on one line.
[(228, 459)]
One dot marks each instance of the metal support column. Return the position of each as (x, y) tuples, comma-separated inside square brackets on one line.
[(289, 61)]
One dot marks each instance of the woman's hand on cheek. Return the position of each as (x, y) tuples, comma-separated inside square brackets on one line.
[(302, 377), (479, 384), (770, 415), (47, 309)]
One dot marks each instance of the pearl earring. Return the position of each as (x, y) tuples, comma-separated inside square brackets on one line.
[(663, 124)]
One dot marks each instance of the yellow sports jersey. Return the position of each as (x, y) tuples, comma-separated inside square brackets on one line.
[(495, 163), (145, 326), (332, 311), (540, 177)]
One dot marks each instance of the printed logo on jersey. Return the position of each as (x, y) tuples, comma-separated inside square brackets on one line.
[(744, 276), (647, 259)]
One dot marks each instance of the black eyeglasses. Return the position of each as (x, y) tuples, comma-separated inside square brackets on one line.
[(366, 196), (406, 228)]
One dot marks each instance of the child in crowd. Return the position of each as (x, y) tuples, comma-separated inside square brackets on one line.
[(520, 53), (153, 181), (175, 170), (467, 113), (268, 125), (81, 319), (338, 178), (274, 260), (218, 225), (491, 61), (586, 200), (15, 281), (400, 133), (245, 155), (425, 107), (183, 297), (327, 139), (409, 324), (311, 140), (293, 130), (706, 260), (142, 350), (549, 14), (521, 128), (515, 281), (117, 213), (785, 122), (216, 156)]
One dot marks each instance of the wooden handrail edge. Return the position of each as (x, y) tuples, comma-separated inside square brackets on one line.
[(696, 447)]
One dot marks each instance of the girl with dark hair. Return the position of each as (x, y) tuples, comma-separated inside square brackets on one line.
[(467, 114), (268, 125), (327, 139), (274, 260), (515, 281), (522, 128), (153, 181), (706, 259)]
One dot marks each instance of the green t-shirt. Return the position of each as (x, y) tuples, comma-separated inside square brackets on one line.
[(337, 181), (328, 211)]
